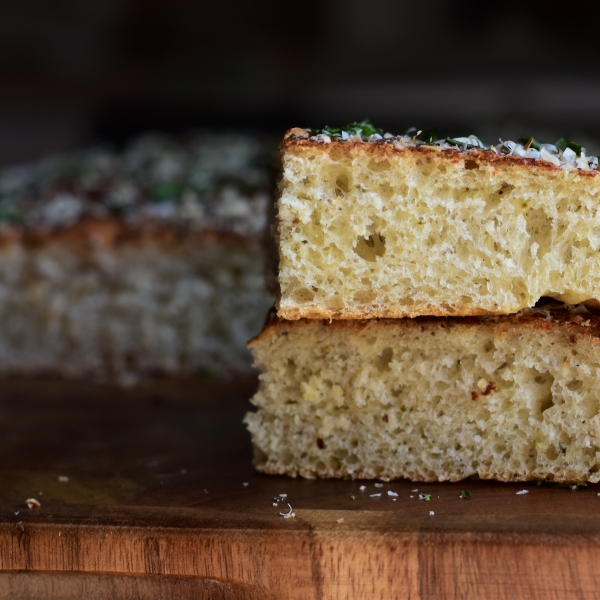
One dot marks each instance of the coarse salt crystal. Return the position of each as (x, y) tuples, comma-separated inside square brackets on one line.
[(362, 488), (375, 495), (63, 478), (390, 493), (431, 513), (522, 492)]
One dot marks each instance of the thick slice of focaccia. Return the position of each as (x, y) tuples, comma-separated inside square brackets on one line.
[(395, 227), (512, 398)]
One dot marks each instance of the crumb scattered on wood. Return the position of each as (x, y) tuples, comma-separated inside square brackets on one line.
[(289, 514), (32, 503)]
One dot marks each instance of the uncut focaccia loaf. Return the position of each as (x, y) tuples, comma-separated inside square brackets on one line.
[(509, 398), (125, 265), (398, 228)]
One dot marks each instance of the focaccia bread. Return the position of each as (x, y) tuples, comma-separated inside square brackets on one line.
[(385, 226), (123, 265), (512, 398)]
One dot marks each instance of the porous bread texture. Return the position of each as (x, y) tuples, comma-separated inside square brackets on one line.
[(509, 398), (372, 229), (127, 311)]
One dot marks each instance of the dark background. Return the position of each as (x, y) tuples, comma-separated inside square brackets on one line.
[(77, 71)]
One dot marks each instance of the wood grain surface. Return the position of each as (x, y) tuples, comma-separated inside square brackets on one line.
[(156, 506)]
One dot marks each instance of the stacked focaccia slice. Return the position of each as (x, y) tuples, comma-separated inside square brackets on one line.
[(394, 227)]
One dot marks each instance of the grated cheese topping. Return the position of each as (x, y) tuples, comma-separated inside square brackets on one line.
[(199, 181), (564, 154)]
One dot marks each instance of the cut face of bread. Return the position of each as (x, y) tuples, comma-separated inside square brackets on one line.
[(509, 398), (92, 302), (125, 265), (392, 229)]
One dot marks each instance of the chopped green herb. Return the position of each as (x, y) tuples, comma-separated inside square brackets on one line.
[(9, 213), (365, 128), (426, 497), (168, 190), (502, 366), (465, 494), (454, 142), (430, 136), (564, 143)]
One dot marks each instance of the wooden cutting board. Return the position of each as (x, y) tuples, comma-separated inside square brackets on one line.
[(162, 502)]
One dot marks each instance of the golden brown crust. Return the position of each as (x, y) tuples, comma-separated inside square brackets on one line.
[(388, 475), (575, 324), (112, 233), (293, 313), (383, 148)]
